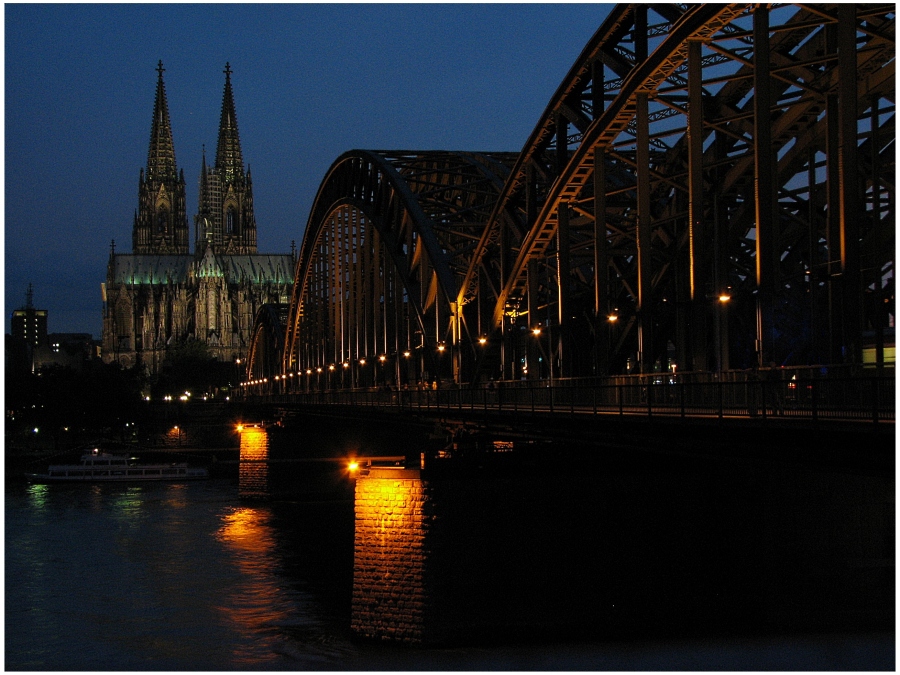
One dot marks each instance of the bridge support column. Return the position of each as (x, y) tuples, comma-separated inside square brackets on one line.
[(563, 271), (532, 348), (695, 355), (601, 267), (850, 218), (389, 557), (766, 220), (643, 224)]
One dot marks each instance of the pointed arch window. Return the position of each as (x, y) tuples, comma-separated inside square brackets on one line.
[(230, 220), (162, 221)]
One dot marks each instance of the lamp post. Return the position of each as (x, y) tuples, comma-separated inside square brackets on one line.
[(536, 331), (722, 301), (441, 348)]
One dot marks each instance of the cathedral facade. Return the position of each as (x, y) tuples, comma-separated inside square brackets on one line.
[(161, 295)]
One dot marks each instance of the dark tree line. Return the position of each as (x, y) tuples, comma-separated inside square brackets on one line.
[(67, 403)]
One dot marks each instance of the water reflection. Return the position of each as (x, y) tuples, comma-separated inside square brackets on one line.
[(176, 496), (127, 505), (257, 605), (37, 496)]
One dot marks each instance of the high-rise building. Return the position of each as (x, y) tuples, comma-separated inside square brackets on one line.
[(161, 295), (29, 324)]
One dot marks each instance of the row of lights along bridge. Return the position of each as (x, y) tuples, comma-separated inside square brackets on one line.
[(358, 379)]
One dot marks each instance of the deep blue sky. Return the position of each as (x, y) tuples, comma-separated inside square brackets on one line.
[(310, 82)]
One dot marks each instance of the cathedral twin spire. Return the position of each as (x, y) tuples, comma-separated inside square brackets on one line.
[(161, 157), (225, 213), (228, 151)]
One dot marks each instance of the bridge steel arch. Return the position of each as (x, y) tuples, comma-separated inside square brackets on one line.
[(692, 153), (388, 240), (264, 369), (698, 152)]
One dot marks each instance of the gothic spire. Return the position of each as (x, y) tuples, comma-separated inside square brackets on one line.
[(161, 157), (228, 151)]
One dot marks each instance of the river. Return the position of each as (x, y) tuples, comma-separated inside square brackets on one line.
[(171, 576)]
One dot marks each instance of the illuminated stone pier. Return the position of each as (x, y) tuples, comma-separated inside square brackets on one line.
[(254, 466), (389, 569)]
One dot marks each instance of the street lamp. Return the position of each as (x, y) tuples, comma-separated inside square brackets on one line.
[(723, 298)]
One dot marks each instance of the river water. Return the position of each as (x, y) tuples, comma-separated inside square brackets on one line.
[(171, 576)]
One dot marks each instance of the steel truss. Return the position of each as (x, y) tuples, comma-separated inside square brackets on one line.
[(388, 239), (267, 344), (693, 153)]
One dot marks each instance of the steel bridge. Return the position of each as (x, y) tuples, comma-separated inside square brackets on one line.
[(708, 195)]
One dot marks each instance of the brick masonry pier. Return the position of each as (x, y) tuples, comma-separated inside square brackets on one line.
[(389, 566)]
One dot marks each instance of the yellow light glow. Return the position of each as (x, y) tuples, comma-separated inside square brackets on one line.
[(240, 428), (440, 347), (353, 466), (536, 330), (612, 318), (724, 297), (482, 340), (254, 444)]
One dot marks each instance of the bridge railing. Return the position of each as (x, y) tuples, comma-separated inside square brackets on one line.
[(797, 393)]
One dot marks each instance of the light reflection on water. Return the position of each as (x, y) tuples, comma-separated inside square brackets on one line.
[(256, 605), (157, 576)]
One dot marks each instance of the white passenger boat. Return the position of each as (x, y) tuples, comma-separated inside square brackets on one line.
[(104, 467)]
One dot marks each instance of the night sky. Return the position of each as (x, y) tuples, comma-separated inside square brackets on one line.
[(310, 82)]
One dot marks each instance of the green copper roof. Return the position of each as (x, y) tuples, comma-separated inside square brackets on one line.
[(257, 268)]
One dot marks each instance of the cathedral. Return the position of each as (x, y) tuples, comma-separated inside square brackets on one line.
[(161, 295)]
